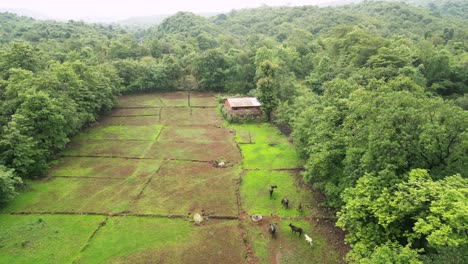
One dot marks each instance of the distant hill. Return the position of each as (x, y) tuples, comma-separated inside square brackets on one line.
[(455, 8), (148, 21), (26, 12), (143, 21)]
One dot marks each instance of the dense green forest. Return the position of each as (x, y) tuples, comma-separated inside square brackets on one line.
[(375, 94)]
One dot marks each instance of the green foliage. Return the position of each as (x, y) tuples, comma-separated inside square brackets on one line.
[(124, 47), (267, 88), (8, 182), (414, 212), (19, 55), (387, 126), (392, 253), (246, 118), (210, 69)]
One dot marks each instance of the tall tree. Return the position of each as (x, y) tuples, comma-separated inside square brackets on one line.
[(267, 89)]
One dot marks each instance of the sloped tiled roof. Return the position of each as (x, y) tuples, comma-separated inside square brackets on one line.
[(243, 102)]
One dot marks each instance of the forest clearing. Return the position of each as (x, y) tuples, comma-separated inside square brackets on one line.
[(126, 189)]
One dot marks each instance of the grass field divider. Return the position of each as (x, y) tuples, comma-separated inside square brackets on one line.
[(238, 195), (148, 182), (88, 177), (203, 106), (311, 218), (107, 157), (295, 169), (159, 114), (240, 210), (181, 216), (161, 100), (239, 148), (153, 141), (108, 215), (60, 213), (115, 139), (177, 106), (100, 225), (137, 115), (136, 107), (190, 160)]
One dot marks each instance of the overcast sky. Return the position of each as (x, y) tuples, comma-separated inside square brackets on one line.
[(121, 9)]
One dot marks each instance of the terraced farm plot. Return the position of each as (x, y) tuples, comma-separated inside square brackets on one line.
[(203, 100), (162, 240), (139, 101), (44, 238), (107, 148), (176, 116), (77, 195), (174, 99), (265, 156), (196, 151), (126, 191), (205, 116), (104, 167), (264, 147), (121, 132), (195, 134), (136, 112), (258, 133), (182, 187), (131, 121)]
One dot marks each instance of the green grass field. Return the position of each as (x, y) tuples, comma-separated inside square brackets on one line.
[(130, 121), (77, 195), (288, 247), (126, 189), (162, 240), (195, 134), (106, 148), (202, 99), (174, 99), (103, 167), (44, 238), (264, 147), (256, 198), (121, 132), (136, 112), (187, 187), (195, 151), (139, 100)]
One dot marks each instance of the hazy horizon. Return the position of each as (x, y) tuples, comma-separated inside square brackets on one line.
[(107, 10)]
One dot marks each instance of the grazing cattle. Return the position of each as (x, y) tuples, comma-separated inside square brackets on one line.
[(299, 207), (272, 230), (296, 229), (272, 187), (308, 239), (285, 202)]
